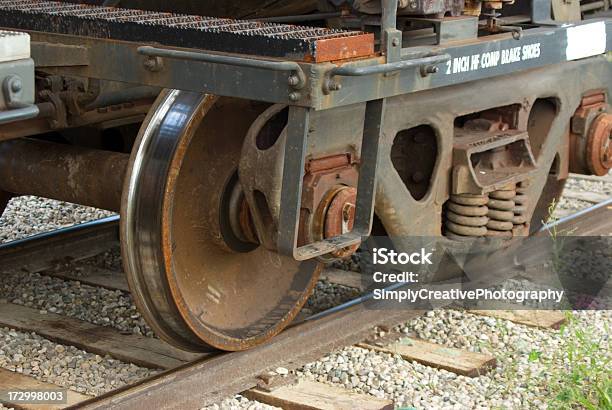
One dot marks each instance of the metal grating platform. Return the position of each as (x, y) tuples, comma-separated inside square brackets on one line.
[(208, 33)]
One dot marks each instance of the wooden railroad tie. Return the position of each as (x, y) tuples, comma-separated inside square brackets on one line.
[(102, 340), (12, 381), (547, 319), (309, 395), (454, 360)]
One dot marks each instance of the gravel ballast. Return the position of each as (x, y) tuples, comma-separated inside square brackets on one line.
[(516, 383), (28, 215), (65, 366), (73, 299)]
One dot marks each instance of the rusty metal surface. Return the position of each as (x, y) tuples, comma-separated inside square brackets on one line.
[(340, 218), (219, 8), (208, 33), (329, 185), (331, 162), (590, 134), (403, 216), (64, 172), (193, 289), (599, 145), (134, 111), (484, 161)]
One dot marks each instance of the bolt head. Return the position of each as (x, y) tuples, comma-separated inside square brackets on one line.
[(16, 85), (294, 96), (293, 80), (395, 42), (153, 64)]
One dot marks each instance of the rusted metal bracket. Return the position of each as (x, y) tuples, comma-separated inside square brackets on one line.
[(591, 136), (293, 176)]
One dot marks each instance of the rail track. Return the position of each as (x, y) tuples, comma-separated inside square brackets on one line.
[(207, 377)]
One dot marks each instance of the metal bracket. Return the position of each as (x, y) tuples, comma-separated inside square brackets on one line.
[(427, 65), (12, 88), (352, 71), (541, 13), (297, 80), (447, 29), (391, 37), (293, 176)]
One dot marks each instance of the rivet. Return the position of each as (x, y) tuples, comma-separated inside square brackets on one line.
[(16, 85), (293, 80), (429, 69)]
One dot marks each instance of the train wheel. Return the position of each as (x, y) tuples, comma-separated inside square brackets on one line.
[(200, 283)]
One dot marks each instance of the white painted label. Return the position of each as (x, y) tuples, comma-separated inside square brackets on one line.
[(586, 40), (14, 46), (494, 58)]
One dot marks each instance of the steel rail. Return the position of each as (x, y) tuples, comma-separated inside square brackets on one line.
[(74, 242), (594, 218)]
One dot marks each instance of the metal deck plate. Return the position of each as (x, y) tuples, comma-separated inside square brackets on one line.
[(216, 34)]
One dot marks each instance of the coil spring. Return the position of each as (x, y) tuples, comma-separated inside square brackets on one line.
[(520, 210), (501, 211), (466, 215)]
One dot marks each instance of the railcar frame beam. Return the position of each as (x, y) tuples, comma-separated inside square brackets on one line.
[(485, 57)]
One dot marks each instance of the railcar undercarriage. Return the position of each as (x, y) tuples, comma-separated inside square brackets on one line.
[(244, 154)]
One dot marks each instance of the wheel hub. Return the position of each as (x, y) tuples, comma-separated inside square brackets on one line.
[(599, 145), (337, 216)]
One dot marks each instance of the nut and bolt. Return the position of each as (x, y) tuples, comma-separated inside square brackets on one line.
[(335, 86), (16, 85), (429, 69), (331, 85), (154, 64), (293, 80)]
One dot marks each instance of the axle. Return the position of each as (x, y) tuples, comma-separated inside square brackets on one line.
[(64, 172)]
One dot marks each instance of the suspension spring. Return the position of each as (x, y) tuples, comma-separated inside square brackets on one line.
[(466, 215), (520, 208), (501, 212)]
